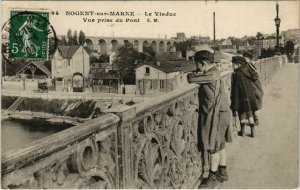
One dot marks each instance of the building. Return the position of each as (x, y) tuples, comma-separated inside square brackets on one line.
[(181, 36), (243, 45), (291, 34), (68, 60), (267, 42), (158, 77), (35, 69), (198, 40), (190, 53), (204, 39), (226, 42), (105, 81)]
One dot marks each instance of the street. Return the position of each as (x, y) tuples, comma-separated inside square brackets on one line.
[(270, 160)]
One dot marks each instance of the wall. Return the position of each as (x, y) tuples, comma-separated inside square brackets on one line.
[(78, 60), (31, 85), (60, 67), (152, 144)]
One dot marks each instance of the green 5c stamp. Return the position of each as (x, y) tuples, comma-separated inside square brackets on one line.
[(28, 35)]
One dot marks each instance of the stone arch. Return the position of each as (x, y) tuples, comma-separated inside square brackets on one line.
[(136, 44), (126, 42), (89, 43), (114, 45), (154, 46), (169, 46), (102, 46), (161, 46), (145, 44)]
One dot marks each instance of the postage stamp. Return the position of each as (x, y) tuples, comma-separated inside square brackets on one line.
[(28, 35)]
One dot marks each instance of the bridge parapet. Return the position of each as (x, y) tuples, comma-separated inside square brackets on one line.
[(159, 141), (268, 67), (152, 144), (83, 156)]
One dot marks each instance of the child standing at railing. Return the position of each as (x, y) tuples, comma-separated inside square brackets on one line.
[(257, 86), (214, 117), (243, 101)]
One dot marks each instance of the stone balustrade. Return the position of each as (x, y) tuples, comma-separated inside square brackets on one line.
[(152, 144), (83, 156)]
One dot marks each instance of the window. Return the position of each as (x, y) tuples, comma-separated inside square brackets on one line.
[(147, 71), (161, 84), (149, 85)]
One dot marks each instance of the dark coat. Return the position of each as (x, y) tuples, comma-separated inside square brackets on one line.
[(243, 97), (257, 88), (213, 105)]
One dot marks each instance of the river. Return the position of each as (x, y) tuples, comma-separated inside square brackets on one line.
[(16, 133)]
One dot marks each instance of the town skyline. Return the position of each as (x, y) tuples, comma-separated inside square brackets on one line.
[(192, 18)]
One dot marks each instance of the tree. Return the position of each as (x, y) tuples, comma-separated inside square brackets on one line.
[(251, 41), (53, 44), (259, 35), (75, 37), (104, 58), (270, 52), (184, 46), (63, 41), (12, 67), (70, 37), (263, 53), (149, 50), (125, 58), (81, 38)]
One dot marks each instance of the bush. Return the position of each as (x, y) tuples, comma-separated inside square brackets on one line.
[(7, 101), (84, 110)]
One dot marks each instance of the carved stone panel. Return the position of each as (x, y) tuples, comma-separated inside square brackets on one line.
[(165, 152), (90, 163)]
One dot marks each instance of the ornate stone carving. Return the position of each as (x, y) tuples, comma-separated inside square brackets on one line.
[(165, 146), (92, 165)]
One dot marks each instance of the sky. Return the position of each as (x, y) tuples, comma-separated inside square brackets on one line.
[(194, 18)]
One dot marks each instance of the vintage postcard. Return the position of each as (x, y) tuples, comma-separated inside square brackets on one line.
[(149, 94)]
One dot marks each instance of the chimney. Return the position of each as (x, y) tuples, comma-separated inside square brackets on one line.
[(158, 63)]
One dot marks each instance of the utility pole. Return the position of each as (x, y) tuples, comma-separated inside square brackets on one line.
[(83, 74), (214, 32)]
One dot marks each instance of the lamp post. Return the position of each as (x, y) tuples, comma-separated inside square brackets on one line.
[(277, 23)]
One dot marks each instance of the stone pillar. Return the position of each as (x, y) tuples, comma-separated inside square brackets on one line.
[(165, 47), (140, 47)]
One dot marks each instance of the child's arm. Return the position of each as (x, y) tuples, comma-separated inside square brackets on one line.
[(201, 78)]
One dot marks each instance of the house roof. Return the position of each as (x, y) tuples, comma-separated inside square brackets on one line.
[(171, 66), (38, 64), (67, 52), (168, 56), (201, 47)]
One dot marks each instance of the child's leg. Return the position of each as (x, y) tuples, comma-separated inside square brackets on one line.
[(222, 173), (223, 157), (214, 162)]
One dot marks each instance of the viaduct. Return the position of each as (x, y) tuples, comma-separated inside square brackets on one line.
[(108, 44)]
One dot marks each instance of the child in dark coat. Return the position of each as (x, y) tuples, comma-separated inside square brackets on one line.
[(214, 114)]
